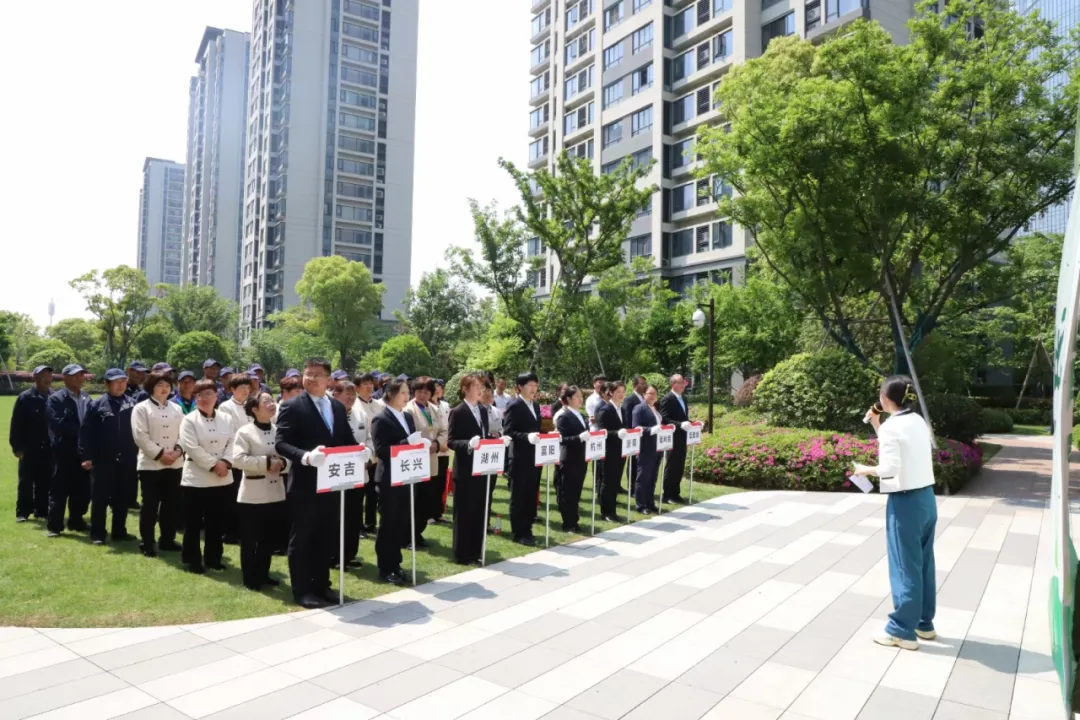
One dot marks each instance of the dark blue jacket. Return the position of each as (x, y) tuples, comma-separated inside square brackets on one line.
[(63, 415), (644, 418), (105, 436), (29, 424)]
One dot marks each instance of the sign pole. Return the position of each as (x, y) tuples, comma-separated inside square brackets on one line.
[(547, 511), (341, 552), (660, 478), (691, 500), (487, 518), (412, 524), (593, 532), (629, 495)]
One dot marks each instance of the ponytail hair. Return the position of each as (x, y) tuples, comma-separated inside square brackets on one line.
[(901, 390)]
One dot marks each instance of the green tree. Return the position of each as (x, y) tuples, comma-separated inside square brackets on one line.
[(22, 333), (155, 340), (191, 349), (54, 353), (120, 300), (442, 311), (81, 335), (400, 354), (295, 332), (8, 322), (262, 348), (584, 219), (869, 169), (345, 301), (199, 307)]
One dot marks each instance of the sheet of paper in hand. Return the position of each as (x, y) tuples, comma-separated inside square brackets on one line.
[(409, 464), (631, 444), (665, 438), (595, 449), (343, 469), (547, 449), (862, 482), (489, 458)]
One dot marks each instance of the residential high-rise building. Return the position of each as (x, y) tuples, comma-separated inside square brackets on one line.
[(161, 221), (214, 187), (331, 118), (1065, 14), (613, 79)]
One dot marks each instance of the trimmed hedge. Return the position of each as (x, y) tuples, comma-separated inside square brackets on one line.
[(956, 417), (1032, 416), (764, 457), (996, 421), (819, 391)]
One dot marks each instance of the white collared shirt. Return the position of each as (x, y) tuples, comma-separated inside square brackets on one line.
[(400, 415), (475, 410)]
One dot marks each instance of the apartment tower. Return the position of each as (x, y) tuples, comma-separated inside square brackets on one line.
[(161, 221), (213, 214), (330, 123), (617, 79)]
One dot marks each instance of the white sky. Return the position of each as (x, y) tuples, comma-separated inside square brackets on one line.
[(94, 88)]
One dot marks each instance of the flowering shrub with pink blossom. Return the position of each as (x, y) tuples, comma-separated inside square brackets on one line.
[(774, 458)]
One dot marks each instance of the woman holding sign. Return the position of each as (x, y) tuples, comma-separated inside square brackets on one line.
[(646, 416), (609, 417), (392, 426), (574, 430), (468, 425)]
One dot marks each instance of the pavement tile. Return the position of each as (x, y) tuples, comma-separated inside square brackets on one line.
[(774, 684), (676, 702), (283, 703), (404, 687), (759, 641), (366, 672), (889, 704), (519, 669), (721, 672), (480, 655), (59, 696), (48, 677), (616, 695), (980, 686), (948, 710)]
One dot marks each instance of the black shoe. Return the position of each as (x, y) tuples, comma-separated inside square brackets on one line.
[(168, 546), (643, 511), (98, 541), (148, 550), (134, 506), (330, 595), (354, 563), (673, 500), (311, 602), (421, 542), (611, 518), (215, 566), (526, 541), (654, 509), (394, 578), (369, 529), (271, 582), (122, 537), (571, 529), (230, 540), (78, 525), (21, 518), (195, 569), (54, 533)]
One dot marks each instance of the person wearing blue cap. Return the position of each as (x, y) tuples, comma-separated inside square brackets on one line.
[(69, 488), (107, 444), (380, 386), (185, 391), (29, 438), (256, 370), (136, 375), (223, 384), (339, 375)]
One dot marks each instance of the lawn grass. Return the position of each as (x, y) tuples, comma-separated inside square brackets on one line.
[(1031, 429), (989, 451), (67, 582)]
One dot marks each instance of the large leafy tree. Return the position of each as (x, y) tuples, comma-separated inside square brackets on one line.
[(442, 311), (155, 340), (199, 307), (400, 354), (583, 219), (18, 335), (346, 303), (54, 353), (867, 170), (120, 300), (191, 349), (81, 336), (296, 333)]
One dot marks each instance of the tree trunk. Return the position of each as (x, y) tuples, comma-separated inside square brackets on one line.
[(1027, 375), (898, 334)]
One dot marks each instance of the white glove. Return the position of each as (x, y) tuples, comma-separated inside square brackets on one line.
[(622, 434), (506, 441), (684, 426), (315, 458), (584, 437), (654, 430), (474, 442), (414, 439), (426, 443), (533, 438)]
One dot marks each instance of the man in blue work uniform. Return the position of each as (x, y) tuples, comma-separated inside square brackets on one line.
[(257, 370), (106, 443), (136, 375), (29, 439), (69, 487), (185, 391), (223, 385), (211, 370)]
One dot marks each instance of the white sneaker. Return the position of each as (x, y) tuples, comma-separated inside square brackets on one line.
[(927, 634), (884, 638)]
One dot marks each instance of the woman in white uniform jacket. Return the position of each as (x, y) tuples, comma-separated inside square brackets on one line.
[(906, 471), (261, 500), (155, 427)]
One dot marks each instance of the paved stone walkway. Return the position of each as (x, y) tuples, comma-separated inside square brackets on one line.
[(755, 606)]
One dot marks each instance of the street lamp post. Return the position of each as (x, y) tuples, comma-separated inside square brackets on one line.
[(699, 320)]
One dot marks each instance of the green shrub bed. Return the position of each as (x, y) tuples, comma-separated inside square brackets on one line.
[(765, 457)]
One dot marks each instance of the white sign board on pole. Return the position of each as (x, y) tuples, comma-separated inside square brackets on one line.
[(631, 442), (595, 447), (344, 469), (409, 464), (547, 449), (693, 433), (665, 438), (489, 458)]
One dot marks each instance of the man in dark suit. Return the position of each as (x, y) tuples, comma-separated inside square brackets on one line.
[(522, 424), (306, 424), (633, 399), (608, 417), (392, 426), (29, 437), (70, 484), (674, 411)]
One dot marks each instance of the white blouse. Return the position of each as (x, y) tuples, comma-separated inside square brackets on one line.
[(156, 428), (905, 453), (358, 424), (253, 448), (205, 441), (236, 413)]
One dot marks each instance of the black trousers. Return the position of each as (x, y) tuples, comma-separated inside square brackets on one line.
[(311, 541), (648, 465), (368, 499), (230, 519), (421, 510), (35, 471), (160, 503), (438, 488), (673, 472), (573, 477), (203, 511), (470, 519), (609, 489), (393, 526), (69, 487), (259, 525), (109, 489), (523, 487)]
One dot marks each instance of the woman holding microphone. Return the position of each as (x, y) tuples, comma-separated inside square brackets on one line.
[(906, 472)]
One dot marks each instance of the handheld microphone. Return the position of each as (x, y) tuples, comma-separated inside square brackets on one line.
[(875, 409)]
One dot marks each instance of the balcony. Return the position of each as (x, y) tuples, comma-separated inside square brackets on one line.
[(541, 31), (540, 130), (541, 97), (541, 66), (838, 13), (539, 5)]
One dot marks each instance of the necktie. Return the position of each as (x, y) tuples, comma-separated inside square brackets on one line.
[(476, 415), (327, 414)]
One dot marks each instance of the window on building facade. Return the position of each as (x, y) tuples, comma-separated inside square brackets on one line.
[(360, 32), (641, 246), (612, 133), (642, 38), (642, 78), (359, 54), (641, 121), (613, 16), (613, 93), (613, 55), (682, 66), (683, 197), (355, 214), (683, 22), (784, 25)]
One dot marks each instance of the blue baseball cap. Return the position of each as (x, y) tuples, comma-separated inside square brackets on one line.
[(339, 375), (137, 366), (227, 371), (292, 372), (402, 376), (162, 367), (440, 381), (74, 369), (41, 368), (114, 374), (376, 373), (184, 375), (210, 362), (255, 367)]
